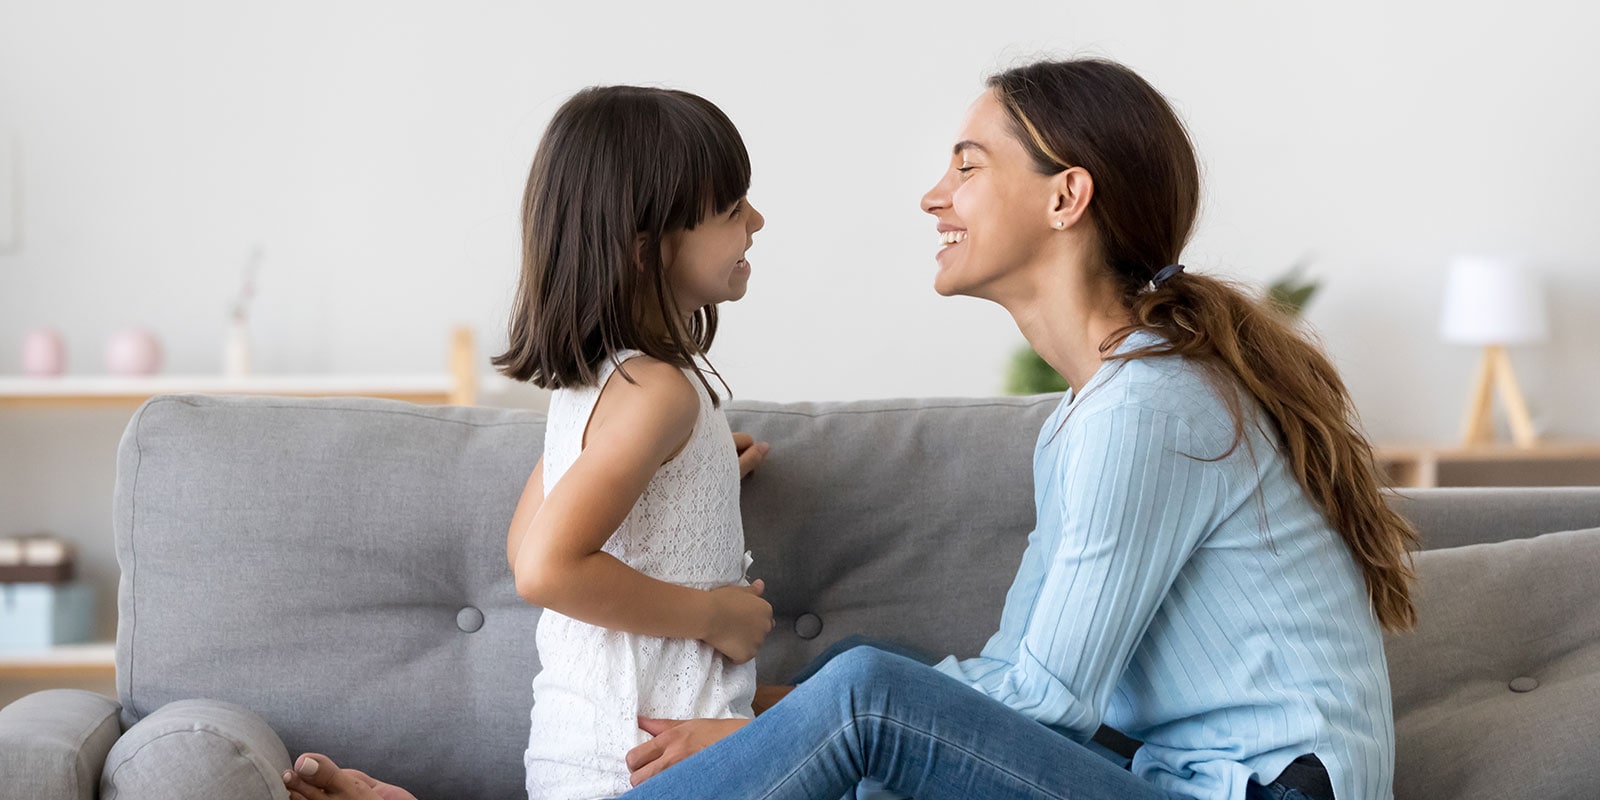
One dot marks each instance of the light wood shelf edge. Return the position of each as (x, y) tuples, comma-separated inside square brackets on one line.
[(458, 386)]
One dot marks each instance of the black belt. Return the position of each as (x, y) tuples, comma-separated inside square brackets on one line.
[(1307, 776)]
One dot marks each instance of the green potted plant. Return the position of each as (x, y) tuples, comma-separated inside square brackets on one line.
[(1029, 374)]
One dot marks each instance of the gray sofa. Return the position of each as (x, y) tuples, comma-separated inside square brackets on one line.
[(329, 575)]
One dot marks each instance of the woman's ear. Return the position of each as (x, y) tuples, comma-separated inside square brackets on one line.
[(1071, 191)]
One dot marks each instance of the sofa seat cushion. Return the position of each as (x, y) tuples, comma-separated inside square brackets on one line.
[(1496, 693)]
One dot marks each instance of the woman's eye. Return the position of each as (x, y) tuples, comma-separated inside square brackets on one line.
[(965, 170)]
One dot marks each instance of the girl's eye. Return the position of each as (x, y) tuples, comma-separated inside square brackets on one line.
[(737, 207), (965, 169)]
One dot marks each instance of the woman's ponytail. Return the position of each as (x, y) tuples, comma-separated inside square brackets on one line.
[(1246, 342)]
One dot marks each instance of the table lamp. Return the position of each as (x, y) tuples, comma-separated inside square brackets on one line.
[(1493, 304)]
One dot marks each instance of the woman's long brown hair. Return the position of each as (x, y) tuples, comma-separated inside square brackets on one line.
[(1103, 117)]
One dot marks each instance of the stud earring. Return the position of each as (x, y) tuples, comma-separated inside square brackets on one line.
[(1060, 224)]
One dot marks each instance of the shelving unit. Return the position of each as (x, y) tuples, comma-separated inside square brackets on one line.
[(1418, 467), (458, 386), (92, 659)]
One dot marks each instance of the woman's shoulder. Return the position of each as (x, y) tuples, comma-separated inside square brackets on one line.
[(1172, 388)]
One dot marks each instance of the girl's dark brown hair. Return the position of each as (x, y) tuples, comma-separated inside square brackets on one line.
[(618, 169), (1101, 116)]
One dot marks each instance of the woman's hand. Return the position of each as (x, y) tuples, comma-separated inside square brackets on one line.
[(675, 740), (750, 453), (740, 621)]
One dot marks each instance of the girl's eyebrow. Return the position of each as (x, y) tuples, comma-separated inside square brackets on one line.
[(968, 144)]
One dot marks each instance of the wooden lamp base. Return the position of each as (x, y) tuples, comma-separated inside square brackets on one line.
[(1494, 371)]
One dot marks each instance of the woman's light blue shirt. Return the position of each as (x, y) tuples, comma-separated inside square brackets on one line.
[(1206, 608)]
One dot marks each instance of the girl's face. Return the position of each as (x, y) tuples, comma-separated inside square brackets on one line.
[(994, 210), (707, 265)]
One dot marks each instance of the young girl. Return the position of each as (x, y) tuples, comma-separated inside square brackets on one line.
[(635, 226)]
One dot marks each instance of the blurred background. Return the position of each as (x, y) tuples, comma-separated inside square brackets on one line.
[(364, 161)]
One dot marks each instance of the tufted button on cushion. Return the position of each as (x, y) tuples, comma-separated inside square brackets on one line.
[(807, 626), (469, 619), (1520, 608)]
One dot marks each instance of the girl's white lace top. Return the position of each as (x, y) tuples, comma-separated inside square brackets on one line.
[(594, 683)]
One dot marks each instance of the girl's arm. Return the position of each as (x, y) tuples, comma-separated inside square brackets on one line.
[(559, 565), (527, 506)]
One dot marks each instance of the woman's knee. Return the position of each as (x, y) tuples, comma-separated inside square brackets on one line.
[(866, 666)]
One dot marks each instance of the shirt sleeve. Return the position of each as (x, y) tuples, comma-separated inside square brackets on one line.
[(1122, 506)]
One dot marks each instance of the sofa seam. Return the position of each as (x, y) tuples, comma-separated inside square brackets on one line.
[(133, 555), (186, 400), (83, 740), (857, 412)]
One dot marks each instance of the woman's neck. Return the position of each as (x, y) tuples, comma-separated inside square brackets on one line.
[(1067, 316)]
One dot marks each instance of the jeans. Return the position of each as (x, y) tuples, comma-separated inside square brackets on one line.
[(868, 723), (869, 714)]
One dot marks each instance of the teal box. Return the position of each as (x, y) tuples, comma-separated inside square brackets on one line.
[(34, 615)]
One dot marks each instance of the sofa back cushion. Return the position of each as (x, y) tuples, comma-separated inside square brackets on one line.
[(322, 563), (1496, 691), (338, 565)]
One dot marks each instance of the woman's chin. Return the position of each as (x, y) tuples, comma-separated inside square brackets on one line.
[(947, 283)]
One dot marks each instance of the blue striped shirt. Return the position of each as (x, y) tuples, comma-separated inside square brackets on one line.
[(1206, 608)]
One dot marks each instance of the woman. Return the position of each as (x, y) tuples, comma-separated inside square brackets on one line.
[(1213, 561)]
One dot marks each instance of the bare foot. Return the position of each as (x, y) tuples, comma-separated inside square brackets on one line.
[(316, 777)]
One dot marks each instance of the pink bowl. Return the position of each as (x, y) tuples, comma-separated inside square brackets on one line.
[(133, 352), (44, 353)]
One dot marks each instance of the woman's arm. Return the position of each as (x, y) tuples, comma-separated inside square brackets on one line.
[(1130, 508), (559, 565)]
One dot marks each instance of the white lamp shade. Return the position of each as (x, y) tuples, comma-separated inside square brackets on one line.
[(1492, 302)]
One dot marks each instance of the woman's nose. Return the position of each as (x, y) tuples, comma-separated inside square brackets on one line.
[(935, 200), (757, 220)]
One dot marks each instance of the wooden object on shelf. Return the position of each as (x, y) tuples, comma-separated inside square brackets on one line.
[(90, 659), (459, 386), (1494, 373), (1418, 467)]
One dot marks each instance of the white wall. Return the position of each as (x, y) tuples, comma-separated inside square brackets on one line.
[(377, 151)]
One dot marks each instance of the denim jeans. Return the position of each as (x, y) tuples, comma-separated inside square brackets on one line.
[(867, 723), (868, 714)]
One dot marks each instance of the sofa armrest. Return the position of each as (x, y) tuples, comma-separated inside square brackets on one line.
[(55, 743), (197, 750)]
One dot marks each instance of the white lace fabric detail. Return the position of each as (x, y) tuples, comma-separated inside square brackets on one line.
[(595, 683)]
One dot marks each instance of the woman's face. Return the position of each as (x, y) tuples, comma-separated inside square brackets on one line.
[(994, 210)]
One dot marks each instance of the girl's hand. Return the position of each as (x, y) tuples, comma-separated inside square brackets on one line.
[(675, 740), (740, 621), (750, 453)]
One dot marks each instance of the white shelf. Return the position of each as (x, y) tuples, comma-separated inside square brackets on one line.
[(86, 657), (457, 386), (111, 387)]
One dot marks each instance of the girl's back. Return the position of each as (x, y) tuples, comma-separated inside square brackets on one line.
[(595, 683)]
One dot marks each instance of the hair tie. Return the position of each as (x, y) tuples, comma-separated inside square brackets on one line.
[(1167, 273)]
